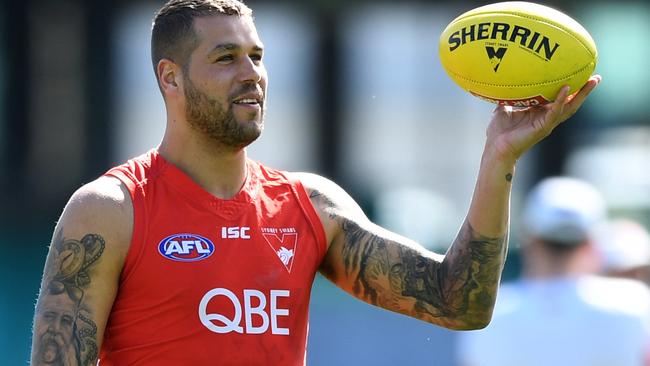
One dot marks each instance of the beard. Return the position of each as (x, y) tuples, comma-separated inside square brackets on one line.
[(52, 348), (217, 121)]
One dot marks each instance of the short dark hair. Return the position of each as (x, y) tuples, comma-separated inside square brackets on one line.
[(172, 32)]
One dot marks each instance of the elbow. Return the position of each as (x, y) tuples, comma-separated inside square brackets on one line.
[(474, 313), (475, 324), (470, 321), (479, 318)]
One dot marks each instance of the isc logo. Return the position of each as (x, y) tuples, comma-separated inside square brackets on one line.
[(186, 247), (235, 232)]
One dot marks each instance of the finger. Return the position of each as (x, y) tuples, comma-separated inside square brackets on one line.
[(556, 108), (562, 96), (582, 94), (573, 102), (500, 109)]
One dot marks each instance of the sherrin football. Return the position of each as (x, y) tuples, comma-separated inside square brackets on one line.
[(517, 53)]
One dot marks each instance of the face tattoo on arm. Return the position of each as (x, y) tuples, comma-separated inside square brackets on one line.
[(66, 334)]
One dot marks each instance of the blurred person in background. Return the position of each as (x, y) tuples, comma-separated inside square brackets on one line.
[(624, 245), (192, 254), (560, 312)]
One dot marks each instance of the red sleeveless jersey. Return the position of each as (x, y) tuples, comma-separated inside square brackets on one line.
[(209, 281)]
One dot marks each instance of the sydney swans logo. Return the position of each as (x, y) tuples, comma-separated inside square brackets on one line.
[(283, 241), (285, 255)]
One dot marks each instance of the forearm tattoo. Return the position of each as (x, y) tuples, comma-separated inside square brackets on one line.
[(64, 332), (462, 286), (472, 271), (457, 290)]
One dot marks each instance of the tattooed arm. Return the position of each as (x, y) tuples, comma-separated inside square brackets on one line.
[(81, 275), (457, 290)]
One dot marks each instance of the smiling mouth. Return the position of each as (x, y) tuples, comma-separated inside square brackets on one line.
[(248, 101)]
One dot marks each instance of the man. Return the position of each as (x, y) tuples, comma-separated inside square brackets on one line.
[(560, 312), (209, 257)]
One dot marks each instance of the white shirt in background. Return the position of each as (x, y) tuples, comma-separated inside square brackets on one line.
[(586, 321)]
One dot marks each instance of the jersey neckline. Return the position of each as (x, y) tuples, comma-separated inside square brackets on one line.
[(190, 188)]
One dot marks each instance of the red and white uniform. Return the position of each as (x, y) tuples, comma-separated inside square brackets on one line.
[(210, 281)]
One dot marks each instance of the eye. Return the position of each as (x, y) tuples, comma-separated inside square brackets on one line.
[(256, 57), (225, 58), (67, 320)]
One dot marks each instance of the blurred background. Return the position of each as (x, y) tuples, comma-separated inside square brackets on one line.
[(357, 94)]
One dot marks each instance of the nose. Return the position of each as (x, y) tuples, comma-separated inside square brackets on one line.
[(54, 326), (250, 71)]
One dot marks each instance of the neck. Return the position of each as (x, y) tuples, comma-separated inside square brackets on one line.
[(218, 170)]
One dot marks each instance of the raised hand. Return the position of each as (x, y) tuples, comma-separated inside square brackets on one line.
[(512, 131)]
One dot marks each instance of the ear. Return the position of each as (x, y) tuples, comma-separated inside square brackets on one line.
[(170, 77)]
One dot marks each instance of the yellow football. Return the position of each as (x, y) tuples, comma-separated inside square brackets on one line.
[(517, 53)]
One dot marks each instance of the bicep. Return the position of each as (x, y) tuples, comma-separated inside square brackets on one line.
[(80, 280), (372, 263), (456, 290), (385, 269)]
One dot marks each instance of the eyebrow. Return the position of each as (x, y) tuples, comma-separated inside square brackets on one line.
[(231, 47)]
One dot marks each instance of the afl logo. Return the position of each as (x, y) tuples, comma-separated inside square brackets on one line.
[(186, 247)]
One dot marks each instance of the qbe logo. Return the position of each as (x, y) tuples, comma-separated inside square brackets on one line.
[(186, 247), (253, 309)]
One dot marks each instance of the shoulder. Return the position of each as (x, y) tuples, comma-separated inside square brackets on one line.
[(333, 205), (313, 181), (105, 196), (102, 207), (327, 195), (316, 184)]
